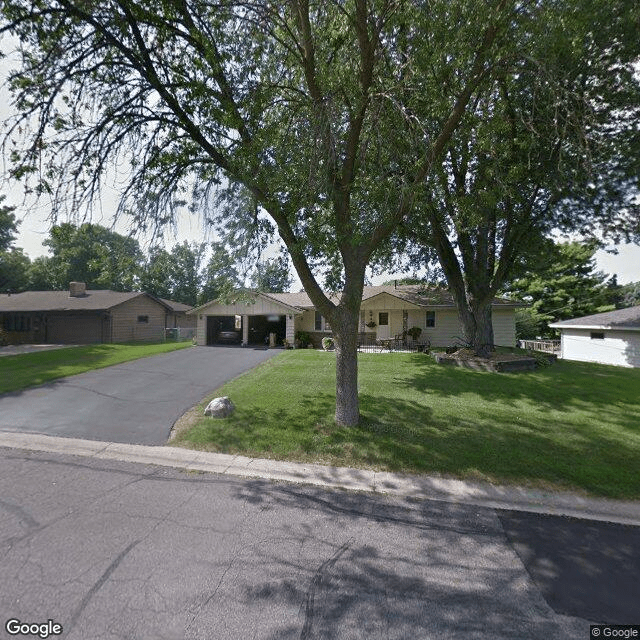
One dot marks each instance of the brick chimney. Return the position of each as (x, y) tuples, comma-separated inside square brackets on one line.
[(77, 289)]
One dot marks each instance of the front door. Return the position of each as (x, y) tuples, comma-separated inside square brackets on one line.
[(382, 331)]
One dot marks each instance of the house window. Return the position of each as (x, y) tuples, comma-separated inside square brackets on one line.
[(320, 323), (144, 319), (14, 322), (238, 323), (383, 319), (431, 319), (597, 335)]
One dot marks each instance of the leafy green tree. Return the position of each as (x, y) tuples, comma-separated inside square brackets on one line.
[(156, 274), (331, 114), (186, 266), (562, 284), (14, 264), (550, 144), (14, 271), (272, 276), (87, 253), (8, 225), (629, 295), (221, 277)]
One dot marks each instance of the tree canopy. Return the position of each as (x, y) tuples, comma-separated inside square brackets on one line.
[(332, 115), (563, 283), (552, 143)]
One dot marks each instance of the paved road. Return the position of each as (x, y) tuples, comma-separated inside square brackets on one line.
[(114, 550), (135, 402)]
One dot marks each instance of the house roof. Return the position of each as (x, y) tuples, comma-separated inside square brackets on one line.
[(92, 300), (176, 306), (620, 319), (415, 294)]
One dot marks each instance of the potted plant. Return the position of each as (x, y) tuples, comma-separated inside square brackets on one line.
[(371, 324), (327, 344)]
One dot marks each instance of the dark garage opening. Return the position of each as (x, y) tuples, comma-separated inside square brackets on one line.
[(261, 326), (224, 330)]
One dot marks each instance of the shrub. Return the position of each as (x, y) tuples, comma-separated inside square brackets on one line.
[(4, 338), (327, 343), (303, 339), (414, 332)]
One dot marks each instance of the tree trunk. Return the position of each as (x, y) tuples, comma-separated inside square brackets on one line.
[(477, 326), (345, 333)]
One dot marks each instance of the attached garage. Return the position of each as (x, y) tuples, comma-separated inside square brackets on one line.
[(250, 321), (76, 328)]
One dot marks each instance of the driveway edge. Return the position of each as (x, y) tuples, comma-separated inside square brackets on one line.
[(394, 484)]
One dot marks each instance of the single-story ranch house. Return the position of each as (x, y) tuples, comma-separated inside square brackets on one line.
[(386, 312), (612, 337), (82, 316)]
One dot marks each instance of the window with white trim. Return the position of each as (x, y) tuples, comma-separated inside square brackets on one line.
[(430, 320), (320, 323)]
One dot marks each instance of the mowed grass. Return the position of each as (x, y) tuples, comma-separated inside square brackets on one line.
[(572, 426), (30, 369)]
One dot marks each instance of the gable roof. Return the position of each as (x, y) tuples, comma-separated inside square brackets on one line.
[(415, 294), (92, 300), (620, 319), (176, 307)]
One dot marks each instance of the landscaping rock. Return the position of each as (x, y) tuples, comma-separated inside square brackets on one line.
[(220, 408)]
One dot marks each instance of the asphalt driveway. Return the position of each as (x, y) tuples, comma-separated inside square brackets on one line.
[(134, 402)]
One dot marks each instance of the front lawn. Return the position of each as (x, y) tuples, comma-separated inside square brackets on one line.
[(30, 369), (567, 426)]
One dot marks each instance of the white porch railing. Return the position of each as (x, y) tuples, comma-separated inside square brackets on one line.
[(547, 346)]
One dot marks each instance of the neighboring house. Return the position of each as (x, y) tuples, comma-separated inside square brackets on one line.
[(612, 337), (392, 309), (81, 316), (178, 318)]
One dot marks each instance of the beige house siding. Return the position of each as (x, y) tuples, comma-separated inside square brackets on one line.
[(258, 307), (446, 332), (125, 325), (504, 327)]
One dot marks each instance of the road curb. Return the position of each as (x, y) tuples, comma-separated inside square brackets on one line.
[(394, 484)]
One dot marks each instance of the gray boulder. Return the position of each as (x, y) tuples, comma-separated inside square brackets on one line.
[(220, 408)]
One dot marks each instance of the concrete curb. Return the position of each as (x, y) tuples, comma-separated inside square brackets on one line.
[(394, 484)]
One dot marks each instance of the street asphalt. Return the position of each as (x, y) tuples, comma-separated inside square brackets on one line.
[(134, 402), (116, 550)]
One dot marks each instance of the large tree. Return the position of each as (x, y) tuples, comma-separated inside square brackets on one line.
[(551, 143), (14, 264), (562, 283), (89, 253), (331, 114)]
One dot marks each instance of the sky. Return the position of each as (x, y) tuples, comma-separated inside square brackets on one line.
[(35, 224)]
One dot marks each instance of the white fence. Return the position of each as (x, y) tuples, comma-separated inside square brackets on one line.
[(547, 346), (178, 334)]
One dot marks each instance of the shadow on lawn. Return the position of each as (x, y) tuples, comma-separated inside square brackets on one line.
[(399, 435), (555, 387)]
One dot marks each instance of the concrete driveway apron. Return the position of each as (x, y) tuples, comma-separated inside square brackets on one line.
[(134, 402)]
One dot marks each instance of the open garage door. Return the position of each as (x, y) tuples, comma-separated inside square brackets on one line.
[(260, 327), (224, 330)]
